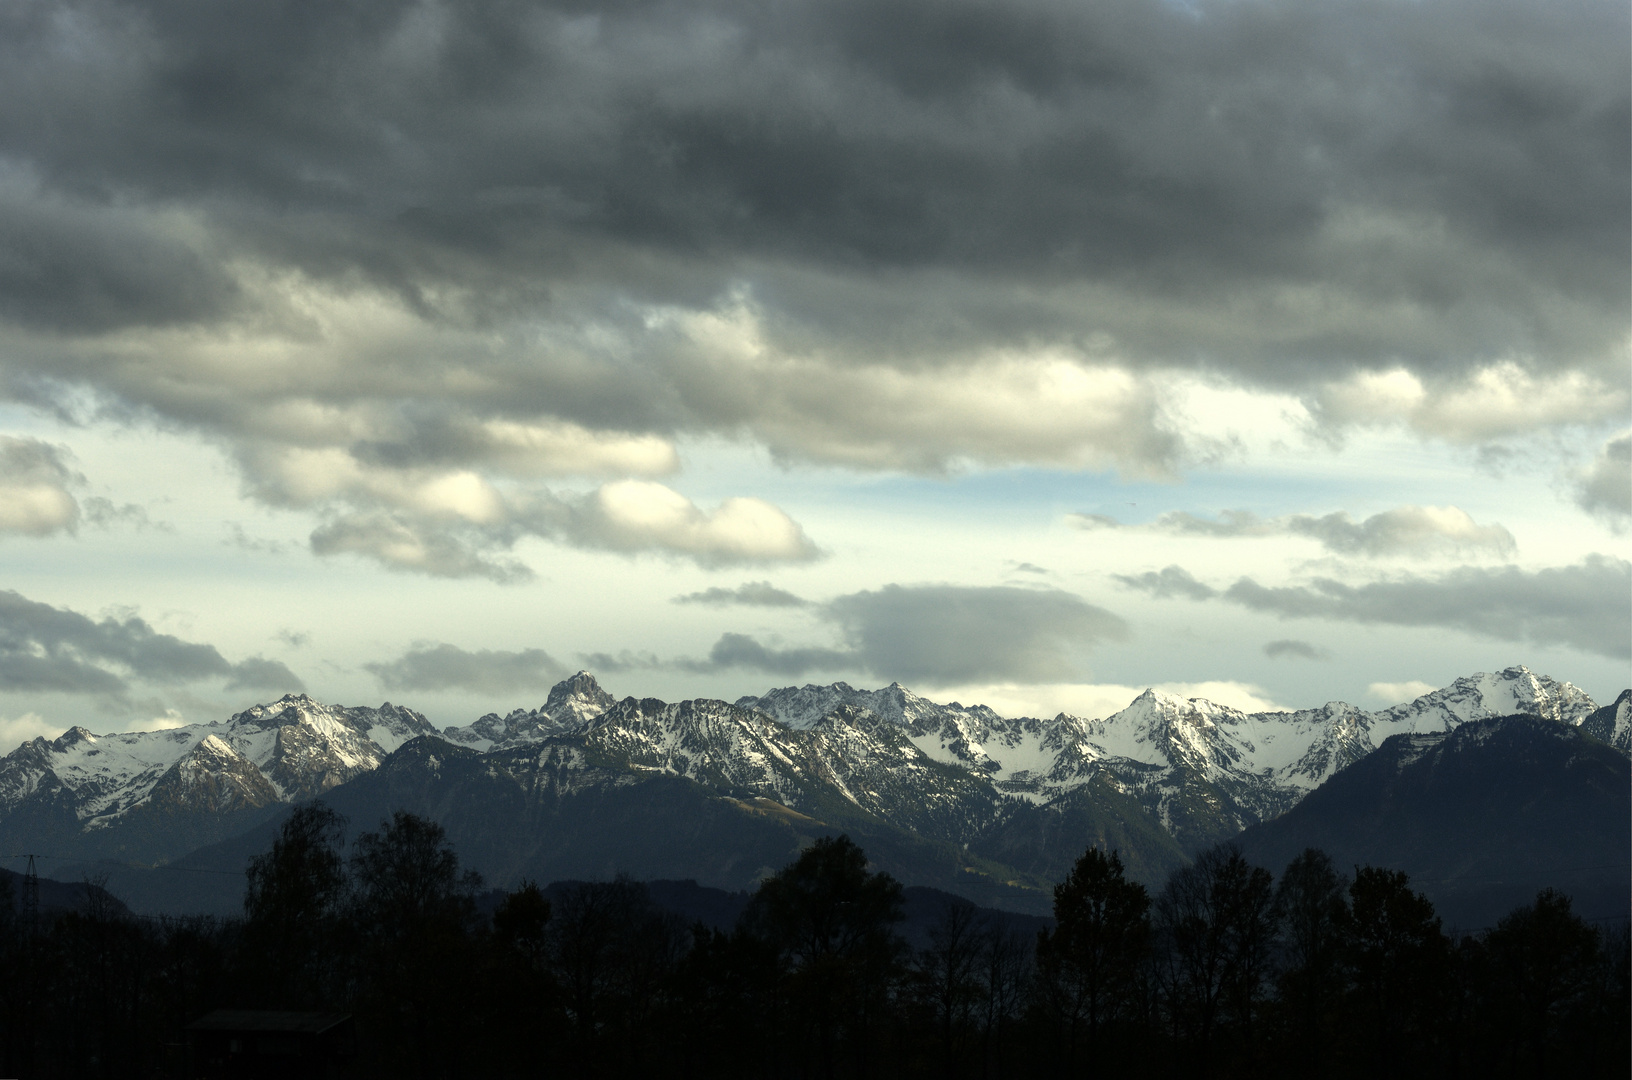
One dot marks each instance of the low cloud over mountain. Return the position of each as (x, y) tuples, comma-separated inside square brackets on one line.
[(49, 649), (440, 667), (1581, 606), (944, 634)]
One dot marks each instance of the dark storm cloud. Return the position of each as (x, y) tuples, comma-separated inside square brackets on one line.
[(943, 634), (447, 667), (386, 254), (43, 648), (72, 267), (1461, 163), (1582, 606), (1300, 650), (752, 593)]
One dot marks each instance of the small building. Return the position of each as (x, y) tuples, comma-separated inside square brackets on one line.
[(255, 1043)]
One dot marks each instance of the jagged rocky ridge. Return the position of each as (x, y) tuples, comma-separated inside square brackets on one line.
[(1011, 799), (156, 794)]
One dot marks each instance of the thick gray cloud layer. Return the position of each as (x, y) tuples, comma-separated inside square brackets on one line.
[(943, 635), (48, 649), (1166, 149), (447, 667), (1582, 606), (376, 249)]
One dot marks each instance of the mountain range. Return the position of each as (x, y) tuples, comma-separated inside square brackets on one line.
[(585, 785), (1480, 817)]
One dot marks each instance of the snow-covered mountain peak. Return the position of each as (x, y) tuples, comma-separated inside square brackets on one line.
[(804, 707), (1515, 690), (580, 696), (296, 747), (572, 704), (213, 747), (212, 778), (883, 749), (72, 736)]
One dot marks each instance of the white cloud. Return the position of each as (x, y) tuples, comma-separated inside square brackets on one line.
[(1235, 695), (1500, 400), (17, 730), (563, 449), (1095, 701), (1044, 406), (172, 718), (458, 525), (34, 496), (641, 515), (1395, 693)]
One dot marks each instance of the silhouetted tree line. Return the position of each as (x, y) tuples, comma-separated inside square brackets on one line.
[(1226, 972)]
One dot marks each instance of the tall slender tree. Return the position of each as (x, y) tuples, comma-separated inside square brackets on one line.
[(1315, 927), (1089, 963), (948, 978), (1544, 971), (1215, 923), (412, 915), (1399, 962), (293, 901), (829, 920)]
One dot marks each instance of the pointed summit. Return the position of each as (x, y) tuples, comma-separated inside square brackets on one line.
[(1514, 690), (576, 701), (580, 689)]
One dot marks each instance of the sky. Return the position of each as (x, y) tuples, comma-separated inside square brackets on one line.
[(1027, 353)]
